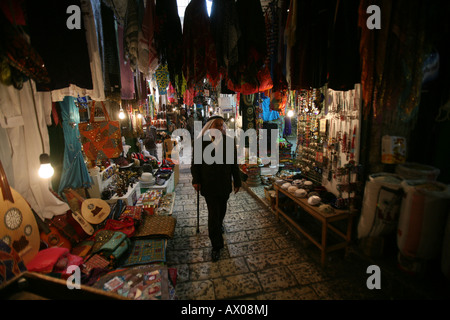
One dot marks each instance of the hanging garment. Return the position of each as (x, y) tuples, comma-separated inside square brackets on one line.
[(251, 74), (162, 79), (98, 91), (75, 174), (130, 35), (344, 65), (307, 51), (268, 115), (126, 74), (276, 16), (110, 58), (169, 39), (24, 126), (200, 58), (63, 50), (18, 56), (147, 54), (226, 32)]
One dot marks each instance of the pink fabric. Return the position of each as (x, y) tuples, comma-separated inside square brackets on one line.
[(46, 259)]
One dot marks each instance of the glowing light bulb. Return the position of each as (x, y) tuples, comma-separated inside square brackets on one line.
[(45, 170), (121, 114), (290, 113)]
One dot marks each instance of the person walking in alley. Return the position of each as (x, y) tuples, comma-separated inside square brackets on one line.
[(215, 176)]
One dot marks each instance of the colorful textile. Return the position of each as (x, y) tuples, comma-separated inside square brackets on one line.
[(10, 263), (75, 174), (126, 74), (162, 78), (156, 226), (101, 139), (147, 251), (200, 60), (138, 283)]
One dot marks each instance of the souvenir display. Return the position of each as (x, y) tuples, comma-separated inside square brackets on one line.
[(329, 119)]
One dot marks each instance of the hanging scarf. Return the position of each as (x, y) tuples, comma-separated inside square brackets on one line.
[(200, 60)]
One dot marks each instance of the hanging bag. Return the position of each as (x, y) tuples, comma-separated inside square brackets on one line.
[(101, 139)]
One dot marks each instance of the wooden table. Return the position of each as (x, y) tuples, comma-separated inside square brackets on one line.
[(326, 220)]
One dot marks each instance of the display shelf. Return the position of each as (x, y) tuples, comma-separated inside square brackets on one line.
[(325, 219), (130, 197)]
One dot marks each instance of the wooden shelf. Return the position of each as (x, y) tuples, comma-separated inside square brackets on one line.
[(326, 220)]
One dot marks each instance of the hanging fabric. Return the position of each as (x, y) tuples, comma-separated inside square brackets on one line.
[(24, 115), (126, 74), (19, 58), (147, 54), (162, 78), (169, 40), (251, 74), (130, 35), (101, 139), (226, 33), (344, 65), (98, 90), (75, 174), (276, 17), (200, 59), (110, 54), (68, 63)]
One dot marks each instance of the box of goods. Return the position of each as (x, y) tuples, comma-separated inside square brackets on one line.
[(150, 200)]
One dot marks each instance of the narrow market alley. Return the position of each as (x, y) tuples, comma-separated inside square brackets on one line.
[(264, 259)]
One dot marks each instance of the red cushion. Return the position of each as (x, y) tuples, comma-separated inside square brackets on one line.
[(46, 259)]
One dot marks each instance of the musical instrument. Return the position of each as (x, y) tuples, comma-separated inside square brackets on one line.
[(87, 227), (93, 210), (18, 227), (50, 235)]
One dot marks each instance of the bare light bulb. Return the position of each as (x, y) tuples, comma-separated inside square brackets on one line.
[(121, 114), (290, 113), (45, 170)]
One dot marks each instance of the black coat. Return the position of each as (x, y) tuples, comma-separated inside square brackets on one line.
[(216, 178)]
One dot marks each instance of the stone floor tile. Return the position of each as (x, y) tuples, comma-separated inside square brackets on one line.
[(286, 257), (276, 279), (235, 237), (307, 273), (265, 233), (204, 270), (196, 290), (246, 248), (233, 266), (236, 286), (185, 256), (325, 291), (295, 293)]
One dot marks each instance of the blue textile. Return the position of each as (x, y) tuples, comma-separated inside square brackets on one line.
[(268, 115), (75, 174)]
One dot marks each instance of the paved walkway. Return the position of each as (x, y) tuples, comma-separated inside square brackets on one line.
[(264, 259)]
